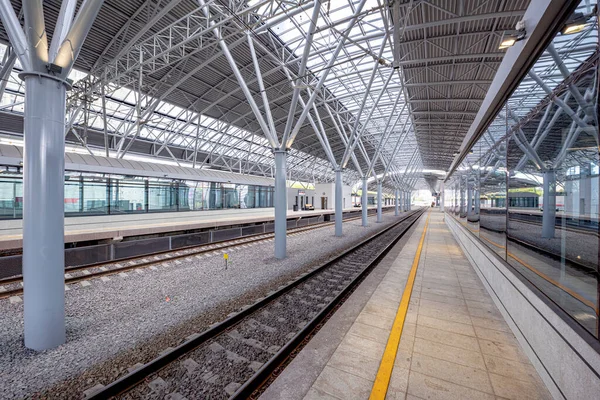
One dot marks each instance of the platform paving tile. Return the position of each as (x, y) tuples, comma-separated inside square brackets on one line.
[(378, 335), (473, 378), (375, 320), (480, 312), (442, 299), (490, 324), (429, 387), (463, 342), (509, 388), (454, 327), (343, 385), (496, 336), (447, 315), (502, 350), (456, 355)]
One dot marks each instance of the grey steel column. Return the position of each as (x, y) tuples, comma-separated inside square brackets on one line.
[(549, 198), (338, 202), (379, 201), (280, 204), (585, 190), (462, 199), (364, 201), (442, 196), (396, 211), (403, 201), (43, 213), (469, 199), (477, 201)]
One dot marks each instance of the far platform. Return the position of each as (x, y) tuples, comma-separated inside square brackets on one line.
[(106, 227)]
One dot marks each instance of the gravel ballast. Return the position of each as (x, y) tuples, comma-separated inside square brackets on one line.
[(114, 324)]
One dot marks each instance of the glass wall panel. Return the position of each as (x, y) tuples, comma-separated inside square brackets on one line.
[(535, 173), (162, 196), (185, 196), (243, 195), (73, 194), (127, 195), (11, 197), (95, 195), (230, 196), (553, 198), (249, 197), (492, 183), (213, 197)]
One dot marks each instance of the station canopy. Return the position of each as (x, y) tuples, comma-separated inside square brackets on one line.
[(153, 81)]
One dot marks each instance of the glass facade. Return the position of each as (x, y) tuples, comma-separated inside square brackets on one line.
[(102, 194), (530, 188)]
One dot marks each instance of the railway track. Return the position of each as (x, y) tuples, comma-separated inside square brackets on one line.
[(234, 358), (570, 225), (14, 286)]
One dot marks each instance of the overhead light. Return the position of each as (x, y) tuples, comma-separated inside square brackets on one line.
[(576, 23), (511, 37), (573, 28), (507, 41)]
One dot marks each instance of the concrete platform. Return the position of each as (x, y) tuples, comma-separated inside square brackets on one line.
[(102, 227), (454, 344)]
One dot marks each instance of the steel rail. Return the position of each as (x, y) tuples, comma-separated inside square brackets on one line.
[(139, 375)]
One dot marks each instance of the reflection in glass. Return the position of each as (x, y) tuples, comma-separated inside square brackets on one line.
[(537, 178)]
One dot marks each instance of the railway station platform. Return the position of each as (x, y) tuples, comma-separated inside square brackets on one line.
[(107, 227), (453, 341)]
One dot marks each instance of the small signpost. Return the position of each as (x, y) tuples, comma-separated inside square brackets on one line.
[(226, 257)]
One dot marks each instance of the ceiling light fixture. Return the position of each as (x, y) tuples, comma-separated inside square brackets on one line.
[(511, 37), (577, 22)]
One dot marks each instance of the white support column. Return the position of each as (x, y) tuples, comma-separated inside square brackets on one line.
[(338, 202), (549, 198), (364, 201), (442, 196), (379, 200), (396, 211), (43, 213), (280, 204)]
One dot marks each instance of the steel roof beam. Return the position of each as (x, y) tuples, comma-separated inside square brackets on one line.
[(301, 71), (542, 18), (325, 73)]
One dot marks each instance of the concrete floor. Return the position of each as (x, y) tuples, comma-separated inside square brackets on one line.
[(454, 345)]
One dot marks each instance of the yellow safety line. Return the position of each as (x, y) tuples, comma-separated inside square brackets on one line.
[(380, 386)]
